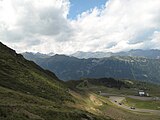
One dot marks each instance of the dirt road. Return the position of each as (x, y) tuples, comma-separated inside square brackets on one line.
[(118, 101)]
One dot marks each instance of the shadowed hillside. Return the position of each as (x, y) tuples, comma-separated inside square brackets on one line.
[(121, 67)]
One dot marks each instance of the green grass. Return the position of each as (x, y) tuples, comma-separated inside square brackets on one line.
[(20, 106), (21, 75), (28, 92), (154, 105), (132, 89)]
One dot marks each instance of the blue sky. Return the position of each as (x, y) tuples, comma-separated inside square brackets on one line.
[(79, 6), (121, 25)]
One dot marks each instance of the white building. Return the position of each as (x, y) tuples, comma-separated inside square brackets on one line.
[(141, 93)]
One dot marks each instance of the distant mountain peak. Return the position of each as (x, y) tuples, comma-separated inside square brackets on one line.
[(150, 53), (86, 55)]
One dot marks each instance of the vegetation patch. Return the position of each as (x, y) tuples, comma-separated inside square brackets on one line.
[(154, 105)]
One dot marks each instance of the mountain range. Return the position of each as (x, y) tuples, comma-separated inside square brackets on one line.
[(122, 67), (153, 54), (87, 55), (28, 92)]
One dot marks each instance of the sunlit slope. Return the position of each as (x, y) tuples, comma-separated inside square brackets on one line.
[(19, 74)]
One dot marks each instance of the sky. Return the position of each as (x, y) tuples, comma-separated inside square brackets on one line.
[(79, 6), (67, 26)]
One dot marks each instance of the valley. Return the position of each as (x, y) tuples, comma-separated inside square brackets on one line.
[(29, 92), (127, 97), (79, 59)]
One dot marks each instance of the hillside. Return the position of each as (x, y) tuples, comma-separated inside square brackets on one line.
[(115, 86), (124, 94), (27, 92), (121, 67), (19, 74)]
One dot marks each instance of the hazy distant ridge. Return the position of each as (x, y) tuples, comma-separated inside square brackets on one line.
[(124, 67)]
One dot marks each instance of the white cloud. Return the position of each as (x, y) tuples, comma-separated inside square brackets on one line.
[(29, 23), (153, 42), (120, 25), (42, 25)]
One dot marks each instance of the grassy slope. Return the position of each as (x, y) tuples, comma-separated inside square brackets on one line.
[(29, 92), (155, 105), (98, 104), (19, 106), (108, 109), (128, 87), (21, 75)]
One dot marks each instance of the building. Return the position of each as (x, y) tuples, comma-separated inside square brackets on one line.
[(143, 93)]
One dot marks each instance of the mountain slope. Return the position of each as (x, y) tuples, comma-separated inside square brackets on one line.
[(122, 67), (27, 92), (19, 74)]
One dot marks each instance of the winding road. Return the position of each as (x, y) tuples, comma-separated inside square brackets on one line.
[(116, 100)]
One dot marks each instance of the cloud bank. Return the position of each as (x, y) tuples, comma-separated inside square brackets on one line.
[(43, 26)]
